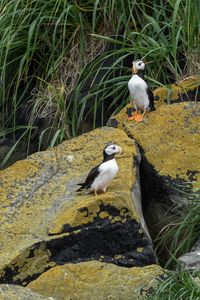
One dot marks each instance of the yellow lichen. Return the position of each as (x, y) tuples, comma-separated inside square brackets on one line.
[(38, 195), (169, 137), (140, 249), (104, 214), (173, 91), (79, 281)]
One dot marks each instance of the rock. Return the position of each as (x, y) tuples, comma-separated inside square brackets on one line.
[(15, 292), (196, 246), (45, 223), (169, 143), (89, 280), (185, 90), (191, 261)]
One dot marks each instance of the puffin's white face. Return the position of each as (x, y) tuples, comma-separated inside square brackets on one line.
[(113, 149), (138, 65)]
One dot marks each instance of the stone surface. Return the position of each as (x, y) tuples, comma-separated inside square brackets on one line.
[(169, 141), (96, 280), (45, 222), (196, 246), (191, 261), (15, 292), (185, 90)]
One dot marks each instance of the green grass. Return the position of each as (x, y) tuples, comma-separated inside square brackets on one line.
[(179, 236), (52, 46), (180, 284)]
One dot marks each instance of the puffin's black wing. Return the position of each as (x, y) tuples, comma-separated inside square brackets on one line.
[(90, 178), (151, 98)]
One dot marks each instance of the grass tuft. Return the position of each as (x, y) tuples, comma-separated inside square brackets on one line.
[(179, 285), (181, 236)]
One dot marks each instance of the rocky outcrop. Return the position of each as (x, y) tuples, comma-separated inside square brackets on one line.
[(105, 281), (15, 292), (182, 91), (190, 261), (45, 223), (169, 143)]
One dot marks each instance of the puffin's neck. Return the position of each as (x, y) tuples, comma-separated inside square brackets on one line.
[(140, 73), (107, 157)]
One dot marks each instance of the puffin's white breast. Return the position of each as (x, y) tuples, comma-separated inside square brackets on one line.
[(138, 91), (108, 170)]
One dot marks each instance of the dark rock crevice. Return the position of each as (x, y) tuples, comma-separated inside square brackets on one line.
[(119, 242), (115, 243), (162, 203)]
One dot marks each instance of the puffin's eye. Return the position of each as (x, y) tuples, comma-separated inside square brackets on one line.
[(113, 147), (139, 63)]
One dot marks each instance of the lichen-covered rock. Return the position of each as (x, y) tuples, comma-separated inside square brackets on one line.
[(169, 140), (185, 90), (90, 280), (44, 222), (15, 292)]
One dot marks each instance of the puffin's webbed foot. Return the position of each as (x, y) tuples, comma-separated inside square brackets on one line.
[(131, 118), (139, 117)]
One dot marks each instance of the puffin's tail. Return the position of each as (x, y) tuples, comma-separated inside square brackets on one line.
[(81, 188)]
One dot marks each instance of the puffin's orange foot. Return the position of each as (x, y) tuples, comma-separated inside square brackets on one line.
[(131, 118), (139, 118)]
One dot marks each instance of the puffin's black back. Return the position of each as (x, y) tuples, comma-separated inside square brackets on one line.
[(151, 98), (90, 178), (95, 171)]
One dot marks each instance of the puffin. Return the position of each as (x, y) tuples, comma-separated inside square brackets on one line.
[(141, 95), (101, 176)]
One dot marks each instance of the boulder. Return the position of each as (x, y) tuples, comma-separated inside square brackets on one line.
[(16, 292), (169, 143), (89, 280), (45, 222), (190, 261), (182, 91)]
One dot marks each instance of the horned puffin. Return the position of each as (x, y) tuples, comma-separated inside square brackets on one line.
[(101, 176), (141, 96)]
